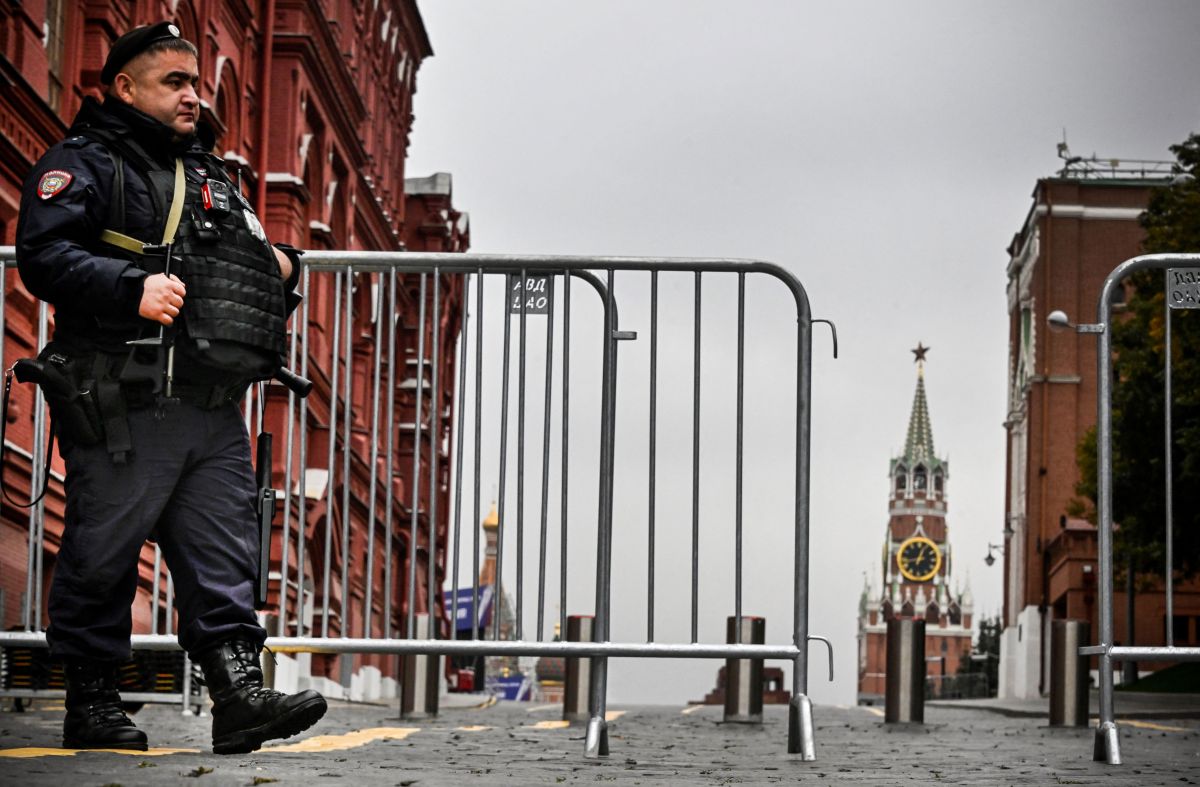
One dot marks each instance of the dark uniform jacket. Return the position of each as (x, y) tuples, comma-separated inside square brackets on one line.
[(73, 194)]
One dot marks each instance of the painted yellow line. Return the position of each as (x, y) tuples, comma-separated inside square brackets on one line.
[(542, 708), (550, 724), (869, 709), (613, 715), (348, 740), (28, 752), (1149, 725), (692, 709), (489, 702), (473, 728)]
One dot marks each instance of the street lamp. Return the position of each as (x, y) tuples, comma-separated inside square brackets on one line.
[(1059, 321), (991, 559)]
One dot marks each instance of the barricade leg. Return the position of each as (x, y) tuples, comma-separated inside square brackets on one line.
[(419, 678), (1068, 673), (596, 739), (905, 685), (800, 727), (744, 677), (577, 691)]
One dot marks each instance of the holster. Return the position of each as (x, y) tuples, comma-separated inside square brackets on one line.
[(70, 392)]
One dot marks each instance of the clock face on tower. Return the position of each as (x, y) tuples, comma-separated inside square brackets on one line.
[(918, 559)]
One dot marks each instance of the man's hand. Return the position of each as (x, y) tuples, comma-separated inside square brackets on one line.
[(162, 298), (285, 264)]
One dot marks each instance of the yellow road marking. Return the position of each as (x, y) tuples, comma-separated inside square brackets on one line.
[(555, 724), (692, 709), (348, 740), (1149, 725), (542, 708), (613, 715), (489, 702), (33, 751), (473, 728), (869, 709)]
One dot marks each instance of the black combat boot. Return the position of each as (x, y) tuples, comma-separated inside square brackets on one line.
[(94, 716), (244, 713)]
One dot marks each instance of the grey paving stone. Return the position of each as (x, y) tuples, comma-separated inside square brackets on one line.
[(649, 745)]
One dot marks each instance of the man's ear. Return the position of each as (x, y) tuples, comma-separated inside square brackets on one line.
[(123, 87)]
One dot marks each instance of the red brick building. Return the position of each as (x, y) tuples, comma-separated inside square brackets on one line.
[(916, 564), (312, 104), (1082, 224)]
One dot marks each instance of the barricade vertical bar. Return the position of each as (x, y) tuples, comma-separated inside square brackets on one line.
[(460, 412), (376, 374), (596, 739), (566, 434), (541, 598), (154, 600), (288, 455), (475, 632), (1107, 745), (800, 720), (347, 449), (503, 466), (334, 364), (696, 467), (169, 628), (435, 440), (302, 502), (389, 451), (521, 463), (416, 469), (33, 576), (653, 458), (1168, 403), (737, 546)]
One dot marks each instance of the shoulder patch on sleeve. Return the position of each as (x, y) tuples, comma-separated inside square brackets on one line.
[(54, 182)]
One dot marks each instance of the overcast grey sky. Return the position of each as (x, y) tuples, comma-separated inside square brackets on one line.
[(883, 152)]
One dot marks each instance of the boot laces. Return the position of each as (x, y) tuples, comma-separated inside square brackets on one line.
[(108, 713)]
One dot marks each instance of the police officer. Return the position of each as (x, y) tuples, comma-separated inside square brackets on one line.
[(133, 230)]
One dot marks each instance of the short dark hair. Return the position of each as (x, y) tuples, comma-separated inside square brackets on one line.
[(171, 45)]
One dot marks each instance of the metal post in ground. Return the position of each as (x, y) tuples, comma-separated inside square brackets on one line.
[(744, 677), (419, 677), (577, 689), (905, 686), (1069, 673)]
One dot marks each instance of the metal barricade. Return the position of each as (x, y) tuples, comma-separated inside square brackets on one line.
[(374, 522), (1107, 745)]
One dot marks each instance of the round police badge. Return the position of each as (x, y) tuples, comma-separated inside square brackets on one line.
[(54, 182)]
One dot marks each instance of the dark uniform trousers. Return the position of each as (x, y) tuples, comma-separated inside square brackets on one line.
[(188, 485)]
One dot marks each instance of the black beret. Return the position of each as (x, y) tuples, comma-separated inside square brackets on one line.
[(132, 44)]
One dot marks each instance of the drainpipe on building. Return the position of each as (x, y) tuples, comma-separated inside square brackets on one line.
[(264, 107), (1044, 641)]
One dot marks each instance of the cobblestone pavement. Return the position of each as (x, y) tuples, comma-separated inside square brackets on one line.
[(519, 744)]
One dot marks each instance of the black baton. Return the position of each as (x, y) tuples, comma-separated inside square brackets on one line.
[(266, 515)]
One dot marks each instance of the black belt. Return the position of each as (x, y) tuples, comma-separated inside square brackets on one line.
[(206, 397)]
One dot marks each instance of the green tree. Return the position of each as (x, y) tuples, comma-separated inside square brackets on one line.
[(1172, 224)]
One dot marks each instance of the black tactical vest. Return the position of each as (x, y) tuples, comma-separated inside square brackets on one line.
[(233, 323)]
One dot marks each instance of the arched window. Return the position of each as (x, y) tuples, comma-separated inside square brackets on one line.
[(227, 110), (901, 478), (919, 479), (931, 612), (939, 480)]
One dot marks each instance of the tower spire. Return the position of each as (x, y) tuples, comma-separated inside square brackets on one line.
[(919, 444)]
